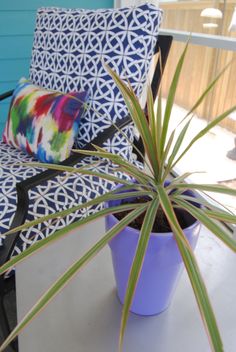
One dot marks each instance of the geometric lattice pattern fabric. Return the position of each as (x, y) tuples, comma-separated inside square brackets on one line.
[(69, 51), (10, 174), (59, 193)]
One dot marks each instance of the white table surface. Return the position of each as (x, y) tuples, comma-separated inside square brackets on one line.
[(85, 316)]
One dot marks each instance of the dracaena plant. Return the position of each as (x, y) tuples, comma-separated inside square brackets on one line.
[(162, 153)]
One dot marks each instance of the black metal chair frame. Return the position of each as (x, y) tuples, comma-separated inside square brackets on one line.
[(6, 285)]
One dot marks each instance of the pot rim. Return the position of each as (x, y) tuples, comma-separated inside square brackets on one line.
[(156, 234)]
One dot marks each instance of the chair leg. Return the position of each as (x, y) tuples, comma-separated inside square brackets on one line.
[(4, 322)]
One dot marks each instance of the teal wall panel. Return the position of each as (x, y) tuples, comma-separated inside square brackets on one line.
[(12, 70), (17, 21), (22, 5), (5, 86), (3, 114), (11, 46)]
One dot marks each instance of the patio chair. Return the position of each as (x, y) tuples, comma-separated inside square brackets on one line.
[(68, 52)]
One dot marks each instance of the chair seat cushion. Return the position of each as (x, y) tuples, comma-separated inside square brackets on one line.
[(62, 192), (10, 174)]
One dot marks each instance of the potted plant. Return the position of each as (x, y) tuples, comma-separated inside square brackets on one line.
[(150, 194), (162, 264)]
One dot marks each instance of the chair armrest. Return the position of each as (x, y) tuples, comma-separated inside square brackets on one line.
[(6, 95), (19, 218), (76, 157), (163, 47)]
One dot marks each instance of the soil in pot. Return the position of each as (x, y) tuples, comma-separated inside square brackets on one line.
[(161, 224)]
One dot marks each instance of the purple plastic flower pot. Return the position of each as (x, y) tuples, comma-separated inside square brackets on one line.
[(161, 269)]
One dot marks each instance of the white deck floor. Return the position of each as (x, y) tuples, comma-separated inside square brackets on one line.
[(208, 155)]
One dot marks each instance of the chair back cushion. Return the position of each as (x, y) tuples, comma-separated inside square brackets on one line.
[(70, 48)]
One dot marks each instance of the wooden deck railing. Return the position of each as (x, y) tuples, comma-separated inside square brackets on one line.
[(202, 63)]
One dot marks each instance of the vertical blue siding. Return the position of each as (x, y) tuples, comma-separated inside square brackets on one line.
[(17, 19)]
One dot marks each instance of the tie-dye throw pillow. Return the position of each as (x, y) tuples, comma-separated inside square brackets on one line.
[(43, 123)]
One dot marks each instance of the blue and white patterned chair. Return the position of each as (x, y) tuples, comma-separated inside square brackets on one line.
[(69, 49)]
